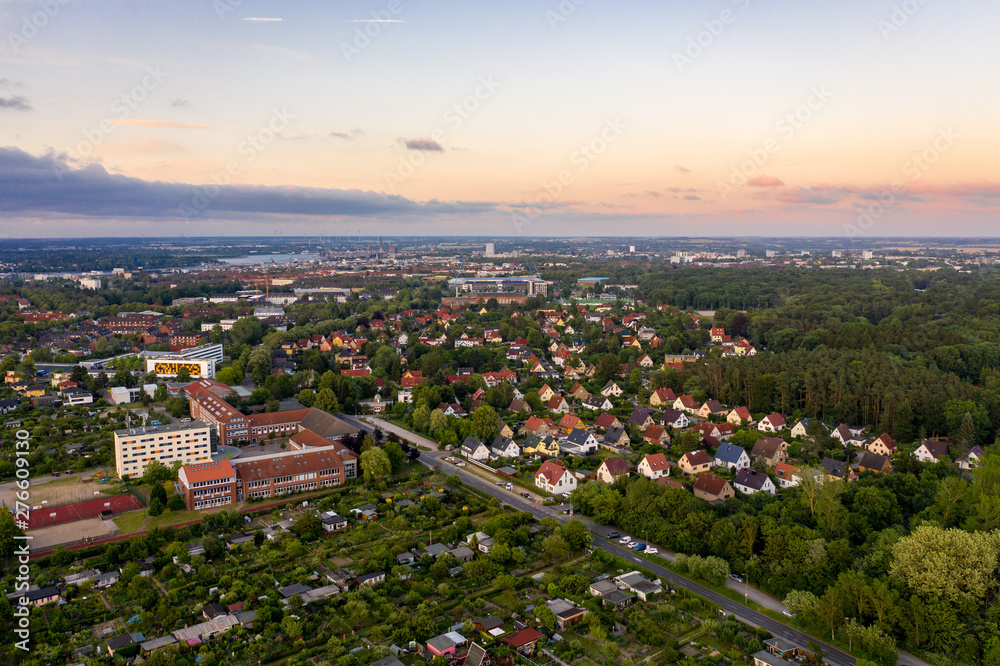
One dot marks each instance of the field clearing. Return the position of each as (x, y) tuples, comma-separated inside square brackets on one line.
[(53, 535), (68, 490)]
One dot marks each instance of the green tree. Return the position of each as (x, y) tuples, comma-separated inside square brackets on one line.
[(485, 424), (307, 397), (966, 437), (158, 492), (438, 420), (155, 506), (326, 400), (948, 564), (576, 535), (395, 453), (229, 376), (902, 423), (183, 375), (375, 464)]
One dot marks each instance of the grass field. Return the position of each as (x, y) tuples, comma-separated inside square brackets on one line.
[(129, 522)]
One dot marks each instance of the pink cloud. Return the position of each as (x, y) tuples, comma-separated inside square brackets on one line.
[(765, 181)]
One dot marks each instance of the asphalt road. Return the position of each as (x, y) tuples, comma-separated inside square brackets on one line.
[(834, 656)]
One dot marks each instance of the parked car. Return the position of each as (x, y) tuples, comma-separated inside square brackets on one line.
[(736, 577), (639, 547), (652, 551), (528, 495), (614, 535), (625, 539)]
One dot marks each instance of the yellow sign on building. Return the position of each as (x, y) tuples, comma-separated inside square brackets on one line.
[(173, 367)]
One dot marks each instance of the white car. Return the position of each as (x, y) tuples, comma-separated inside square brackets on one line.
[(651, 550), (624, 539)]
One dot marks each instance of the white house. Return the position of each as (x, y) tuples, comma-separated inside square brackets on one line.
[(554, 479), (771, 423), (749, 481), (504, 447), (931, 450), (971, 459), (587, 441), (611, 389), (799, 429), (473, 449), (611, 469), (731, 456), (653, 466)]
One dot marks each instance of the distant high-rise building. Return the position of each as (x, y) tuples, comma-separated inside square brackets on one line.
[(771, 253), (631, 249), (490, 249), (740, 254), (836, 253), (867, 254)]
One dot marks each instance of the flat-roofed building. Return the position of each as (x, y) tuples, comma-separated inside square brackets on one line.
[(206, 485), (186, 443)]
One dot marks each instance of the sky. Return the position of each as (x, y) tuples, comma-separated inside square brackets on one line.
[(538, 118)]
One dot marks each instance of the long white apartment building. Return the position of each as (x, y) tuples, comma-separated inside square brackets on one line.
[(185, 442)]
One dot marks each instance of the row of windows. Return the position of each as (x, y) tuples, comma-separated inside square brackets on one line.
[(213, 482), (217, 501)]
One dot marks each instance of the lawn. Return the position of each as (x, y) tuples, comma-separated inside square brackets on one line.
[(130, 521)]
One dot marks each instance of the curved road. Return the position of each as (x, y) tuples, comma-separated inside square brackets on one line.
[(834, 656)]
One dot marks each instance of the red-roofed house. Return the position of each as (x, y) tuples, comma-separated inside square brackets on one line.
[(653, 466), (525, 641), (605, 421), (538, 426), (558, 405), (686, 403), (712, 488), (570, 421), (611, 469), (554, 479), (740, 415), (663, 396), (884, 445), (694, 462), (772, 423)]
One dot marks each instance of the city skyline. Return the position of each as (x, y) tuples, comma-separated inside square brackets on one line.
[(527, 119)]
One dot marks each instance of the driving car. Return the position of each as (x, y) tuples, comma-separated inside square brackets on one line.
[(625, 539)]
